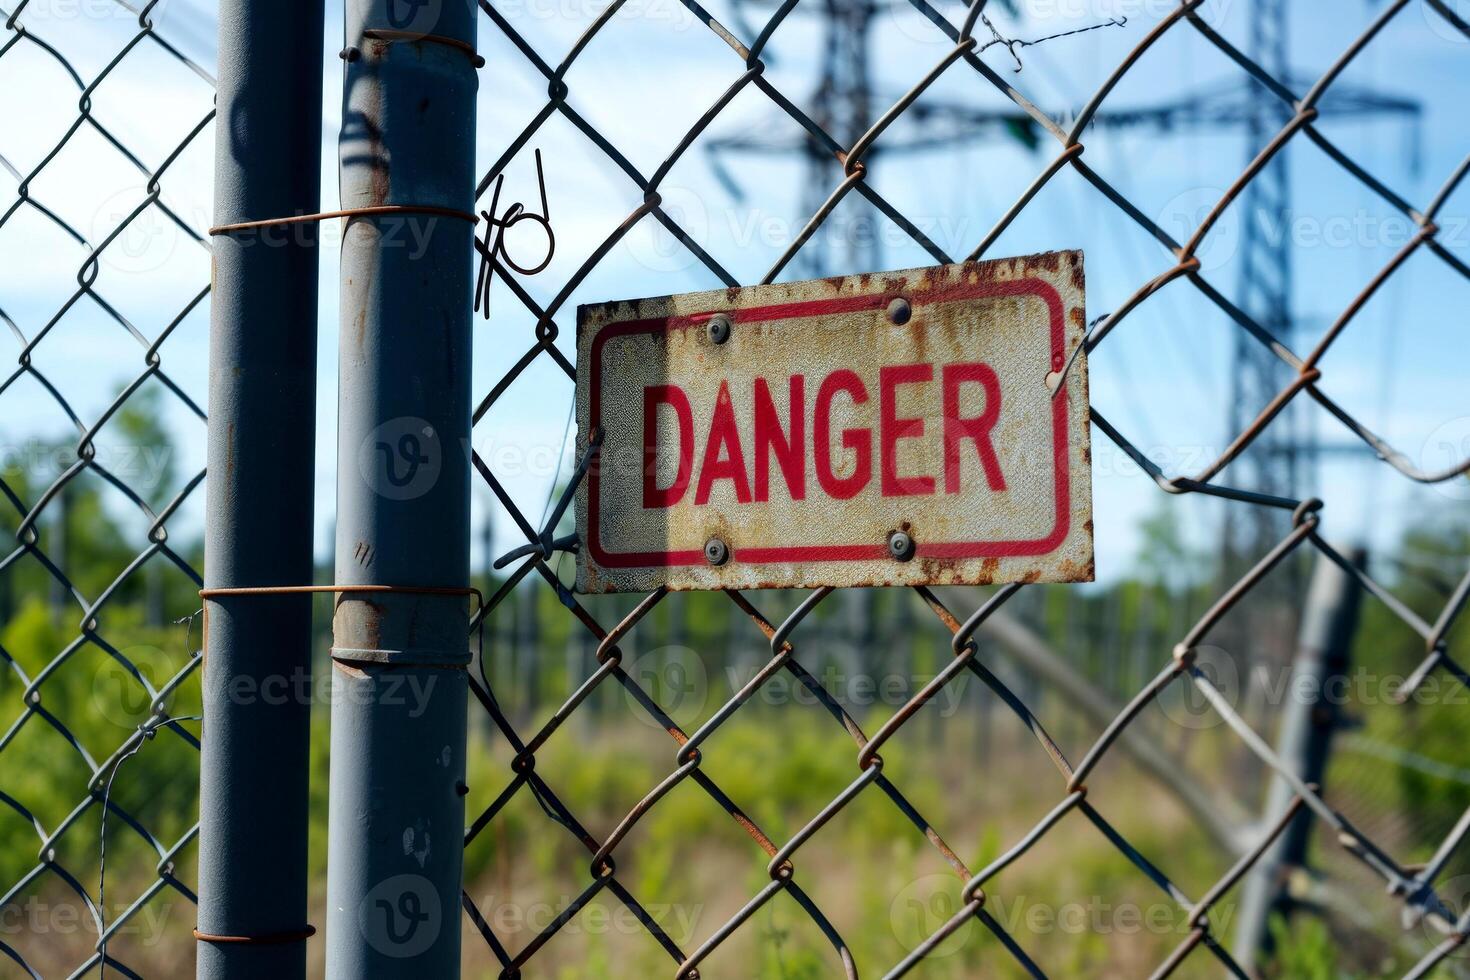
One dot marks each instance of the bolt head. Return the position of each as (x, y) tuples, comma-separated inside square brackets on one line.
[(719, 327), (716, 552), (899, 310), (901, 545)]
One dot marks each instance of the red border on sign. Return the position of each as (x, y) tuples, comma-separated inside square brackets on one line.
[(784, 311)]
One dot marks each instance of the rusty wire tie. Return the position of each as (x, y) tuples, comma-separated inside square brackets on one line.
[(262, 590), (267, 939), (307, 931), (352, 53), (375, 211)]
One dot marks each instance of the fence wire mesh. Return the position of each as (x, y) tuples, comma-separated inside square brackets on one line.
[(68, 735), (784, 877), (100, 744)]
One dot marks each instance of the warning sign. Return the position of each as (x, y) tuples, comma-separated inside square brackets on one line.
[(928, 427)]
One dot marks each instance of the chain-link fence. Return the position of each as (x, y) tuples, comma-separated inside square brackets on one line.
[(755, 844), (645, 161), (105, 120)]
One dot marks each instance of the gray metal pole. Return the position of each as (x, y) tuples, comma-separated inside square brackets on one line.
[(396, 825), (262, 401), (1311, 715)]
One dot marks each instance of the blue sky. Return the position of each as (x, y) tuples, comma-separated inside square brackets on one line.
[(1163, 377)]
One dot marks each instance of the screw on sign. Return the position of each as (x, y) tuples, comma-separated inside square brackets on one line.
[(927, 426)]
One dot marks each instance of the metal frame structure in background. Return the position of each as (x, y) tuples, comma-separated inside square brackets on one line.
[(1415, 886)]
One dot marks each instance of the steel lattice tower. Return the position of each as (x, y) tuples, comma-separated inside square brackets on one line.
[(843, 106), (1280, 460)]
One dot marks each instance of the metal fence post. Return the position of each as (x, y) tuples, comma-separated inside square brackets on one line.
[(262, 399), (396, 824), (1311, 715)]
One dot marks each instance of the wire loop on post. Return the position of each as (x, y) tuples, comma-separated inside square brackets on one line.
[(268, 939), (376, 211), (383, 34), (208, 595)]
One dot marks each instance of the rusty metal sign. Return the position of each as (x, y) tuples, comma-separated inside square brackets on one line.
[(925, 427)]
